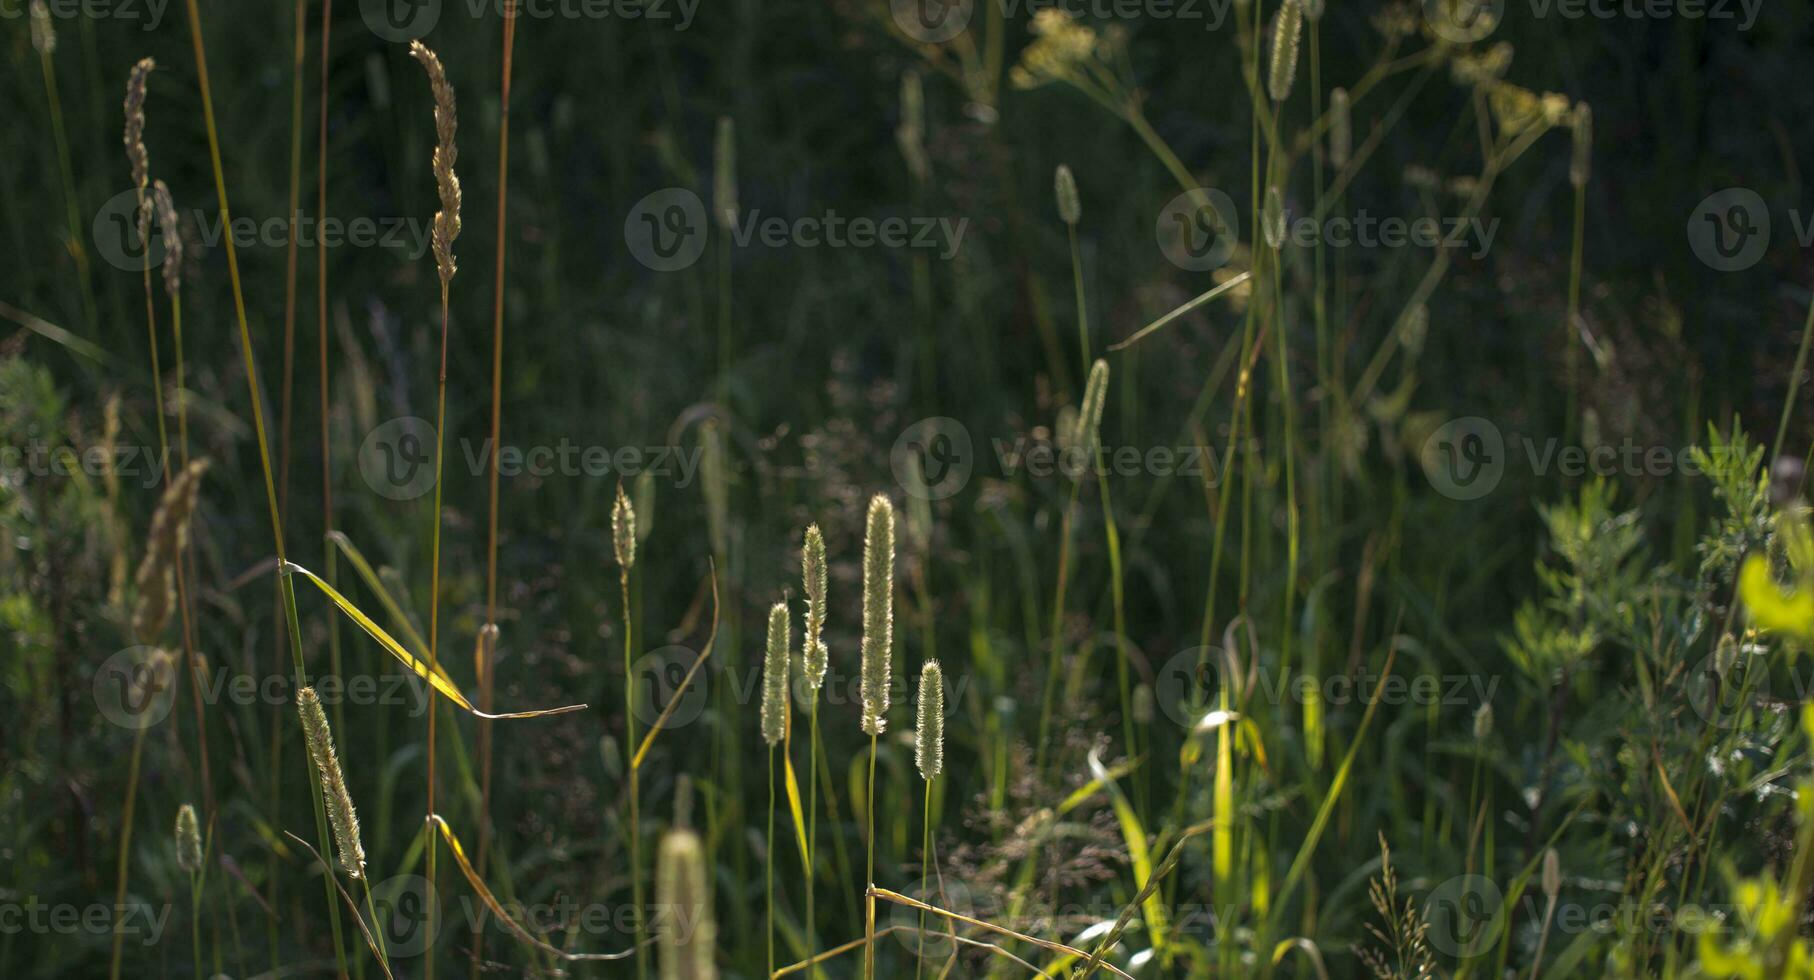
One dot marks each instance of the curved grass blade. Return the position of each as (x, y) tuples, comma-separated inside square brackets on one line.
[(1046, 944), (437, 679), (371, 941), (1135, 835), (376, 583), (685, 682), (1220, 288), (497, 908)]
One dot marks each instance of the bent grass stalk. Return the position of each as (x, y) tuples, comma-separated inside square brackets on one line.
[(249, 360), (623, 542)]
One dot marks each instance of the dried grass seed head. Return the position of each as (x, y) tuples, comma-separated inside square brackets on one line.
[(172, 236), (682, 899), (135, 143), (1287, 26), (155, 578), (341, 815), (774, 675), (813, 575), (447, 183), (188, 840), (878, 613), (623, 530), (929, 730)]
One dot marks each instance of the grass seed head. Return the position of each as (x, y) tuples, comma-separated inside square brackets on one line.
[(623, 530), (1341, 129), (812, 571), (155, 578), (686, 933), (43, 32), (1272, 218), (774, 675), (135, 143), (1580, 164), (447, 183), (188, 840), (929, 730), (1552, 874), (1287, 25), (878, 613), (173, 239), (1089, 416), (341, 814), (1070, 208)]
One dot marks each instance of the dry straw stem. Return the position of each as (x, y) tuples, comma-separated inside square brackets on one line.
[(813, 657), (188, 840), (623, 530), (135, 142), (333, 782), (683, 900), (173, 241), (929, 732), (1064, 186), (1045, 944), (774, 675), (155, 579), (1287, 26), (447, 183), (878, 613)]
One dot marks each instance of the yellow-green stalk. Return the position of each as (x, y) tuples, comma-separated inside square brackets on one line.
[(929, 757), (813, 663), (623, 546), (878, 641), (774, 730)]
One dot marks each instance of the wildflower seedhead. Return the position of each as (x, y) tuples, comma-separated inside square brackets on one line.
[(447, 183), (173, 240), (812, 571), (1287, 25), (341, 814), (1070, 209), (135, 143), (188, 840), (623, 530), (774, 675), (929, 730)]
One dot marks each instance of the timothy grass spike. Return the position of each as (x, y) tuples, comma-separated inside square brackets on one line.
[(1095, 396), (43, 32), (682, 898), (188, 840), (813, 656), (156, 574), (929, 732), (1287, 26), (774, 676), (173, 239), (1064, 185), (341, 814), (878, 613), (623, 530)]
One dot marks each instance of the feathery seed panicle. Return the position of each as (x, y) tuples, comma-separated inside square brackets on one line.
[(135, 142), (188, 840), (447, 183), (173, 239), (341, 814), (156, 575), (929, 730), (1341, 129), (682, 900), (623, 530), (1064, 186), (724, 173), (774, 675), (813, 655), (1287, 25), (878, 613)]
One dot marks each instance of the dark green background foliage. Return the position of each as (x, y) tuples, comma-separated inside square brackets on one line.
[(833, 353)]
